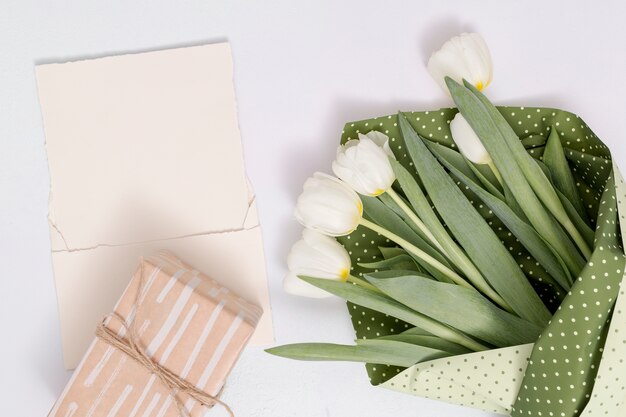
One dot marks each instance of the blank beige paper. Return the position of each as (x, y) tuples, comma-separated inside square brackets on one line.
[(145, 154)]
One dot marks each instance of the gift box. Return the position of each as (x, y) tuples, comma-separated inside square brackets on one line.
[(169, 345)]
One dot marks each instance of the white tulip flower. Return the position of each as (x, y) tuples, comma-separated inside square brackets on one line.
[(463, 57), (468, 142), (364, 164), (329, 206), (319, 256), (380, 139)]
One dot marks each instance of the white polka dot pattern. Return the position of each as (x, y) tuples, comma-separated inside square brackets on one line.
[(485, 380), (608, 397), (565, 358)]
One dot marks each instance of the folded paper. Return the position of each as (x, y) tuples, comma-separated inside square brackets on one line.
[(144, 152), (577, 366), (183, 321), (488, 380)]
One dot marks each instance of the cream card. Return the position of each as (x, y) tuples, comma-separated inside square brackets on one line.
[(145, 153)]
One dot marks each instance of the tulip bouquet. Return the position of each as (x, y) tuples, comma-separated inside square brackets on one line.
[(479, 250)]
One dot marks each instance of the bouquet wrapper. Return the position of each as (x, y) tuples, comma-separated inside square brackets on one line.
[(545, 375), (577, 367), (186, 328)]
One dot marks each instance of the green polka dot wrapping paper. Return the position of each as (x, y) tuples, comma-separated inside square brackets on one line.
[(577, 366)]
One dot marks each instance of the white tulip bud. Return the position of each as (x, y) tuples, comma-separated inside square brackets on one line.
[(317, 256), (364, 164), (468, 142), (329, 206), (463, 57)]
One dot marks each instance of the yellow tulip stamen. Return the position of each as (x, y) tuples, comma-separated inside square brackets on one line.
[(344, 274), (358, 217), (480, 86)]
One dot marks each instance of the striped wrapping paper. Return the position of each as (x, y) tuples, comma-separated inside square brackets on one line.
[(187, 322)]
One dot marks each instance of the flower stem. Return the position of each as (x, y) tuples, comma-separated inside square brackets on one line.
[(456, 278), (415, 219), (417, 252), (577, 237), (362, 283), (495, 171), (561, 217)]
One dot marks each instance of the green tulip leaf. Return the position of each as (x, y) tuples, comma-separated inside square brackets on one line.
[(529, 185), (581, 222), (392, 252), (533, 141), (404, 261), (473, 233), (526, 234), (513, 204), (461, 308), (485, 176), (415, 331), (386, 305), (386, 352), (555, 160), (422, 207), (428, 341)]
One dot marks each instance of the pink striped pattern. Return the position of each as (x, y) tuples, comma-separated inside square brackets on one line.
[(186, 321)]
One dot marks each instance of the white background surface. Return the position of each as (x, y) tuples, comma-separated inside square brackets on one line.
[(302, 69)]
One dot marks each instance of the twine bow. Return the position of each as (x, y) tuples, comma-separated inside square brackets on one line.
[(131, 347)]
